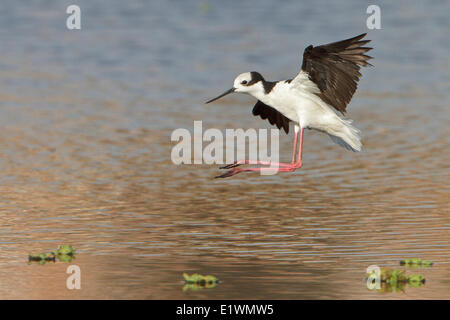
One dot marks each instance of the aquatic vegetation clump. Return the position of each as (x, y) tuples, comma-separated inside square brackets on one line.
[(64, 253), (416, 280), (392, 276), (416, 262), (42, 258), (395, 279), (198, 281)]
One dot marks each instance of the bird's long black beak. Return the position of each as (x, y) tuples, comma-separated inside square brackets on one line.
[(222, 95)]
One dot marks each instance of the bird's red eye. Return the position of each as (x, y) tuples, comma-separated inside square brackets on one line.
[(244, 82)]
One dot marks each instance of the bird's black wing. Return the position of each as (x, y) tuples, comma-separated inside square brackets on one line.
[(274, 116), (334, 68)]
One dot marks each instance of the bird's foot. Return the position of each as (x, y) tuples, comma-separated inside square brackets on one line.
[(265, 163), (229, 173)]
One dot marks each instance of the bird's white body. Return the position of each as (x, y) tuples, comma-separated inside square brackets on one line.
[(295, 100), (298, 101)]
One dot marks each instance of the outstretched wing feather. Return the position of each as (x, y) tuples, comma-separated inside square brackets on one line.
[(334, 68)]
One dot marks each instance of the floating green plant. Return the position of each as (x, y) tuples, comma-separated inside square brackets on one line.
[(415, 262), (65, 250), (395, 279), (64, 253), (42, 258), (198, 281), (393, 276), (415, 280), (65, 258)]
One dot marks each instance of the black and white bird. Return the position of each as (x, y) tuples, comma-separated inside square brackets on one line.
[(324, 86)]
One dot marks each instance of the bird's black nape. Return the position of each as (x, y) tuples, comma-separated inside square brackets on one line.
[(257, 77)]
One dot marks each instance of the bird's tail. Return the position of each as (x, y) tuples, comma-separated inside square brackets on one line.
[(345, 135)]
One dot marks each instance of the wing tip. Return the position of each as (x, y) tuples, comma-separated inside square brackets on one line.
[(361, 36)]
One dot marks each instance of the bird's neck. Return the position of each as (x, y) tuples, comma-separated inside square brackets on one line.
[(261, 90)]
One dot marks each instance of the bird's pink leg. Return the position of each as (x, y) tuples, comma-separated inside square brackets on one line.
[(279, 167), (294, 148), (266, 163)]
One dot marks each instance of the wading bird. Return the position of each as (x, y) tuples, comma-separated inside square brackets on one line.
[(324, 86)]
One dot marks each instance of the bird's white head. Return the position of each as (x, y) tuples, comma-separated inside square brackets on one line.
[(244, 82), (248, 82)]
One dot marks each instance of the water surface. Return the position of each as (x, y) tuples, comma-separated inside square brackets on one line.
[(86, 118)]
